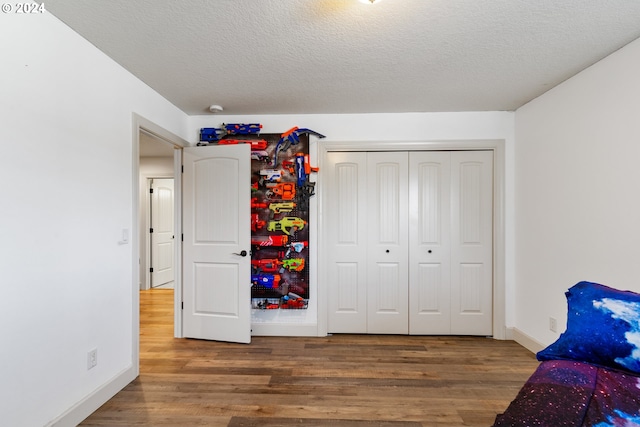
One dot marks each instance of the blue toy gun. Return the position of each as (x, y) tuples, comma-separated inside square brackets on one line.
[(243, 128), (289, 138), (210, 135)]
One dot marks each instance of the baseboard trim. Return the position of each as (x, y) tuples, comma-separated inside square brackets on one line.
[(81, 410), (526, 341), (508, 334)]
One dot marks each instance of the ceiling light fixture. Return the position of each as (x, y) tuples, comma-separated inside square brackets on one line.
[(215, 108), (370, 1)]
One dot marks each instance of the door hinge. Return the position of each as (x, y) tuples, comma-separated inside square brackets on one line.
[(151, 190), (151, 230), (182, 168), (182, 305), (182, 237), (151, 270)]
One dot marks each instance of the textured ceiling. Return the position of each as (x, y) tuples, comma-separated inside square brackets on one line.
[(342, 56)]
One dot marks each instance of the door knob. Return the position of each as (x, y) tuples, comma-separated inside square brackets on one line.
[(242, 253)]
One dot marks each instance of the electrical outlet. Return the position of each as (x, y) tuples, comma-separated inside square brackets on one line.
[(553, 324), (92, 358)]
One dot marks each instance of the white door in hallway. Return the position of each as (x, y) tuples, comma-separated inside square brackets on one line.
[(162, 233), (216, 259)]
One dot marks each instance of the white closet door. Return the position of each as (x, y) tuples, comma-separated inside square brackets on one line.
[(410, 242), (430, 243), (472, 242), (387, 248), (345, 218)]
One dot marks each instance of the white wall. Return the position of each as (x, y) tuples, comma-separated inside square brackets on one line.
[(577, 190), (421, 127), (376, 127), (67, 194)]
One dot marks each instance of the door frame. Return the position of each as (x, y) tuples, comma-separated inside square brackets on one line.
[(499, 261), (142, 124)]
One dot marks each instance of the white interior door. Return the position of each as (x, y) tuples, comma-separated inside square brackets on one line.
[(451, 266), (346, 213), (472, 242), (216, 226), (410, 242), (430, 242), (387, 246), (162, 233)]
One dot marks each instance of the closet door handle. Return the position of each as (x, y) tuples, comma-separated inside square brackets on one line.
[(242, 253)]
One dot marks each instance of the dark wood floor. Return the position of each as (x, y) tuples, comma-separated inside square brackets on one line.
[(340, 380)]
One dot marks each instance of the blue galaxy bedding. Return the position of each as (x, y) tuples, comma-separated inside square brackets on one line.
[(569, 393), (591, 375)]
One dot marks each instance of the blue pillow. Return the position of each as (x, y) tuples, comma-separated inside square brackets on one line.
[(603, 328)]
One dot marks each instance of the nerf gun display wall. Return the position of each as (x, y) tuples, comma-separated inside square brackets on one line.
[(280, 192)]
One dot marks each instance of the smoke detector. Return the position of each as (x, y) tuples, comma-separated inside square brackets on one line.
[(215, 108)]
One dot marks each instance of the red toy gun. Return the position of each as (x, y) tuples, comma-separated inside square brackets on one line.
[(256, 144), (280, 240)]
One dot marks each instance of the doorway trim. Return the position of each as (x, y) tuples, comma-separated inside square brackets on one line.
[(499, 265), (142, 124)]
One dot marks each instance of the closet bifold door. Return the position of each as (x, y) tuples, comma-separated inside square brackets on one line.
[(345, 215), (387, 247), (430, 243), (451, 246), (409, 242), (472, 243)]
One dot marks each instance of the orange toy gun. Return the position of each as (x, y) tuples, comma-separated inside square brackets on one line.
[(289, 138)]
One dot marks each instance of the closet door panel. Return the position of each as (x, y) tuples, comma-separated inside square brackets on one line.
[(345, 214), (472, 242), (410, 242), (429, 243), (387, 248)]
